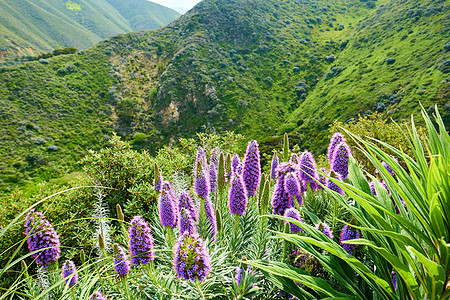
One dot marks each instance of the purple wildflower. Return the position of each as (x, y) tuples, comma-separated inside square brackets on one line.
[(280, 198), (68, 269), (213, 177), (322, 178), (308, 169), (335, 140), (157, 182), (211, 218), (214, 160), (200, 162), (251, 173), (374, 192), (141, 241), (202, 185), (236, 166), (41, 234), (349, 233), (98, 296), (325, 229), (121, 262), (339, 162), (293, 213), (237, 197), (274, 165), (191, 259), (185, 201), (294, 159), (186, 222), (238, 275), (292, 187), (167, 210), (394, 279), (333, 186)]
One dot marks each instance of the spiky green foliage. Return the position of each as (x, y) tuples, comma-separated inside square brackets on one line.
[(415, 243)]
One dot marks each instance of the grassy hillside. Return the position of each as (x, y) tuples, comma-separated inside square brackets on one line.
[(29, 27), (260, 68), (144, 15)]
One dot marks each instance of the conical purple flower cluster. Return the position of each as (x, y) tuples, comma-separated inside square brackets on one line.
[(186, 222), (238, 275), (322, 178), (191, 258), (325, 229), (335, 140), (294, 159), (98, 296), (157, 182), (141, 241), (251, 170), (280, 198), (167, 210), (212, 178), (185, 201), (202, 185), (274, 166), (387, 167), (211, 218), (293, 213), (339, 162), (237, 197), (394, 279), (236, 166), (214, 160), (121, 262), (292, 187), (200, 162), (349, 233), (40, 235), (308, 169), (68, 269), (333, 186)]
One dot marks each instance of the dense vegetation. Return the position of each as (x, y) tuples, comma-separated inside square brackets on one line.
[(30, 27), (337, 233), (259, 68)]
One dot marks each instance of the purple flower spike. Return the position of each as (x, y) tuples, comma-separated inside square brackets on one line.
[(158, 183), (211, 218), (308, 169), (394, 279), (292, 187), (141, 242), (41, 235), (273, 170), (98, 296), (69, 269), (200, 162), (294, 159), (185, 201), (293, 213), (167, 210), (214, 160), (213, 178), (322, 178), (251, 172), (121, 262), (349, 233), (237, 197), (191, 259), (202, 185), (339, 163), (280, 198), (238, 275), (236, 166), (335, 140), (334, 187), (374, 192), (325, 229), (186, 222)]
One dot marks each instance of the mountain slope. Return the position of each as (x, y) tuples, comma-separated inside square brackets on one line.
[(256, 67), (28, 27)]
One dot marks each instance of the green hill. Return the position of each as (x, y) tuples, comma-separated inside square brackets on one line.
[(260, 68), (29, 27)]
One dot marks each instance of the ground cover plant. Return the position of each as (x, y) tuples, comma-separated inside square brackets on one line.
[(227, 230)]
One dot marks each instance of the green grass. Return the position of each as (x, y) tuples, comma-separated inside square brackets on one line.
[(28, 27)]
